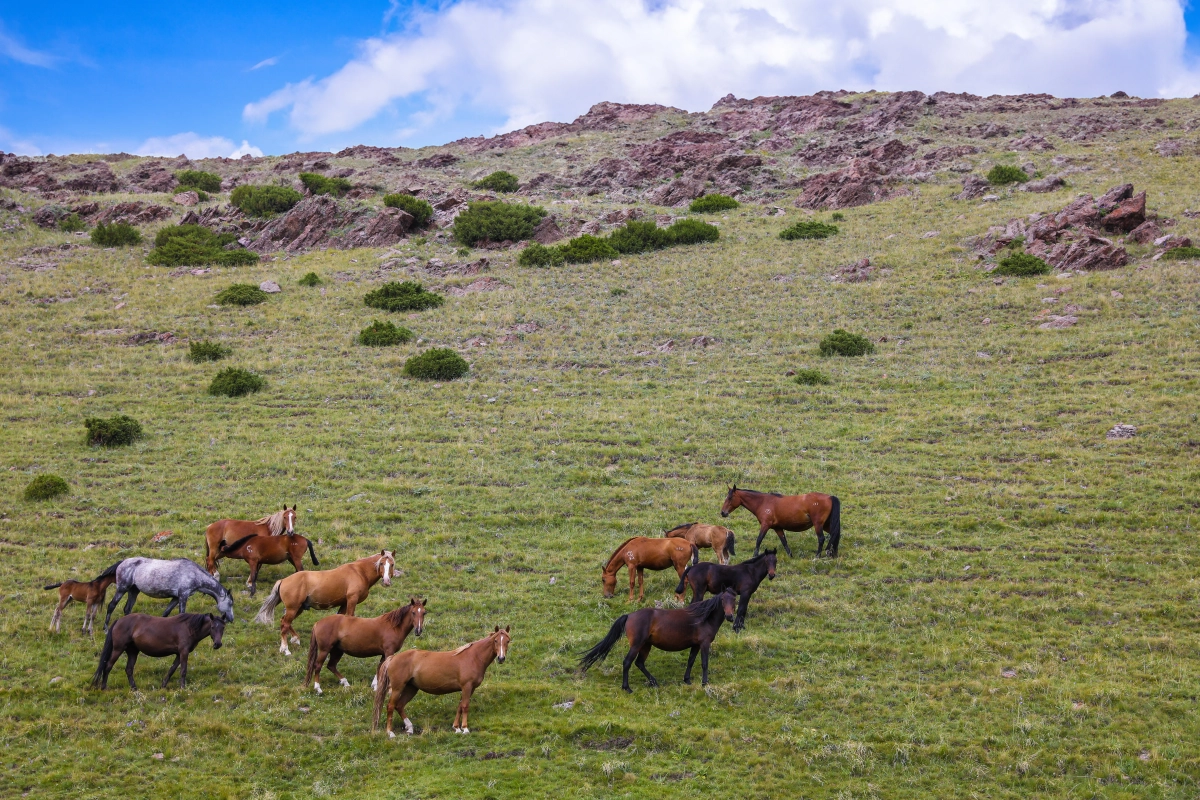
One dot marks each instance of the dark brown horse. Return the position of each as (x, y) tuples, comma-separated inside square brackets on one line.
[(641, 553), (670, 629), (257, 550), (361, 637), (224, 531), (798, 512), (743, 580), (177, 636), (91, 594)]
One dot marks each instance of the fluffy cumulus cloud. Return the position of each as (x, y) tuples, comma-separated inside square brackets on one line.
[(195, 146), (535, 60)]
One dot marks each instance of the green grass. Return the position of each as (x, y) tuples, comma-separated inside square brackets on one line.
[(321, 184)]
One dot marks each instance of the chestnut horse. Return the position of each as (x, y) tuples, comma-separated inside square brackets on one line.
[(361, 637), (719, 538), (641, 553), (224, 531), (345, 587), (177, 636), (91, 593), (257, 550), (404, 674), (799, 512), (670, 629)]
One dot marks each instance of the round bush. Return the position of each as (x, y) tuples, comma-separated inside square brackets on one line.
[(384, 334), (811, 377), (713, 202), (499, 181), (639, 236), (538, 255), (1181, 254), (194, 246), (320, 184), (438, 364), (586, 249), (263, 201), (44, 487), (421, 211), (1021, 265), (311, 279), (1001, 174), (808, 229), (112, 432), (198, 180), (200, 352), (117, 234), (71, 223), (693, 231), (235, 382), (406, 296), (496, 221), (242, 294), (841, 343)]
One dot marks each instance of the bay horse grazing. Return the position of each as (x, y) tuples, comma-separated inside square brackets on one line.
[(642, 553), (90, 593), (742, 580), (345, 587), (361, 637), (225, 531), (134, 634), (257, 550), (798, 512), (177, 578), (410, 671), (718, 537), (670, 629)]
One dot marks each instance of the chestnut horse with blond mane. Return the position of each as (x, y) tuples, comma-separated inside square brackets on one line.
[(798, 512), (228, 531), (718, 537), (640, 553)]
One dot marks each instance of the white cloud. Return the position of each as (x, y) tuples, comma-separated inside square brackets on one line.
[(535, 60), (246, 149), (12, 48), (195, 146), (266, 62)]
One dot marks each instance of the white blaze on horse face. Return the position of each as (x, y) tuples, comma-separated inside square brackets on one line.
[(387, 572)]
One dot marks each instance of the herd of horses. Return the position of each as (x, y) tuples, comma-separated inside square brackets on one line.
[(401, 674)]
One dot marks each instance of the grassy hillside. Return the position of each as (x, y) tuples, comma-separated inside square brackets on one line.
[(1013, 613)]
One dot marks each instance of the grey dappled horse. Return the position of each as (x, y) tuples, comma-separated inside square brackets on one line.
[(177, 579)]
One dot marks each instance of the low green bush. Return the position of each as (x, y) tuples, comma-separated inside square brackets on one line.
[(808, 229), (693, 231), (198, 180), (71, 223), (1181, 254), (837, 216), (586, 249), (499, 181), (496, 221), (1021, 265), (242, 294), (112, 432), (538, 255), (311, 279), (406, 296), (713, 202), (44, 487), (235, 382), (118, 234), (263, 201), (421, 211), (194, 246), (639, 236), (842, 343), (811, 377), (321, 184), (200, 352), (384, 334), (438, 364), (1001, 174)]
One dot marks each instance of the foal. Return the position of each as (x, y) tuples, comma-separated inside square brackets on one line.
[(134, 634), (362, 637), (92, 593), (257, 550), (742, 580)]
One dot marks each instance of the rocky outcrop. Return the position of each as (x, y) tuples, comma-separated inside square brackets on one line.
[(318, 222), (1046, 184), (1031, 141), (94, 178), (860, 183), (973, 186), (1145, 233), (386, 228), (1126, 216)]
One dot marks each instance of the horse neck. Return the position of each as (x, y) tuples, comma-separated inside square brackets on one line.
[(753, 501), (614, 561), (365, 567), (483, 656)]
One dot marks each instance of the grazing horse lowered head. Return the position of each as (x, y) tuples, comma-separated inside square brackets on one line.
[(178, 579), (227, 531)]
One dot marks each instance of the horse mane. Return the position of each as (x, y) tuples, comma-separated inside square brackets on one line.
[(110, 572), (700, 611), (758, 557), (194, 622), (682, 527), (229, 548), (460, 648), (274, 522), (755, 491), (394, 618), (614, 553)]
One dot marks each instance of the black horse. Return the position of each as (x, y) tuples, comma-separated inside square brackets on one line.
[(670, 629), (742, 580), (177, 636)]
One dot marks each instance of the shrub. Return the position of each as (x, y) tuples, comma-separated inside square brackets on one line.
[(693, 231), (195, 245), (1181, 253), (496, 221), (320, 184), (841, 343), (638, 236), (198, 180), (44, 487), (1006, 173), (242, 294), (808, 229), (112, 432), (586, 249), (71, 223), (384, 334), (1021, 265), (406, 296), (199, 352), (837, 216), (117, 234), (713, 202), (263, 201), (311, 279), (235, 382), (538, 255), (499, 181), (438, 364), (421, 211), (811, 377)]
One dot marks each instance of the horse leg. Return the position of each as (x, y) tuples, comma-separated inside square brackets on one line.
[(463, 706), (335, 655), (112, 662), (641, 584), (129, 600), (762, 532), (183, 657), (399, 700), (56, 620), (171, 606), (820, 539), (739, 621), (640, 661), (89, 617), (113, 605), (687, 673), (252, 581), (704, 648), (170, 672), (783, 538), (285, 628), (321, 655), (375, 678), (632, 581), (131, 655)]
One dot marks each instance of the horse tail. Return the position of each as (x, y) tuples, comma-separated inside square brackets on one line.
[(682, 581), (266, 614), (312, 553), (383, 684), (313, 650), (834, 524), (730, 542), (601, 649), (110, 571), (695, 555), (231, 546), (105, 655), (52, 586)]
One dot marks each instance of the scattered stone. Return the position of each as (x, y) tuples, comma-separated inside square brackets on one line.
[(566, 705), (1145, 233), (857, 272), (1059, 322), (973, 186), (1121, 431), (149, 337), (1116, 295), (270, 287), (547, 231), (1008, 672), (666, 346), (159, 756), (484, 284), (1031, 141), (525, 327), (783, 279), (1128, 215), (1171, 240), (1046, 184), (986, 321), (703, 341), (930, 234), (186, 198), (1169, 148)]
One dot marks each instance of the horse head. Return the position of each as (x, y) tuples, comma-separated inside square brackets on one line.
[(500, 640), (417, 612), (386, 565), (225, 605), (770, 560), (732, 501), (609, 581), (217, 625), (289, 519), (729, 604)]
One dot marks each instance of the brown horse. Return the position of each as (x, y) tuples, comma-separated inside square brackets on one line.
[(799, 512), (641, 553), (670, 629), (177, 636), (257, 550), (345, 587), (719, 538), (361, 637), (91, 593), (224, 531), (406, 673)]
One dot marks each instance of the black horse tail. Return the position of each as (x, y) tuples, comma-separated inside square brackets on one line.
[(834, 524), (105, 655), (383, 685), (110, 571), (53, 586), (313, 650), (229, 547), (312, 553), (731, 541), (682, 582), (695, 555), (599, 652)]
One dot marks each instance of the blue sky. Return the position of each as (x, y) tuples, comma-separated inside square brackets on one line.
[(144, 77)]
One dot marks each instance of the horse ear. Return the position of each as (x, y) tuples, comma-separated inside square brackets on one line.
[(423, 599), (497, 629), (506, 628)]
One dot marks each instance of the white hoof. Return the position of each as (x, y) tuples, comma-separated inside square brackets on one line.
[(408, 728), (457, 729), (345, 683), (283, 648), (391, 734), (465, 730), (374, 684), (317, 686), (295, 640)]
